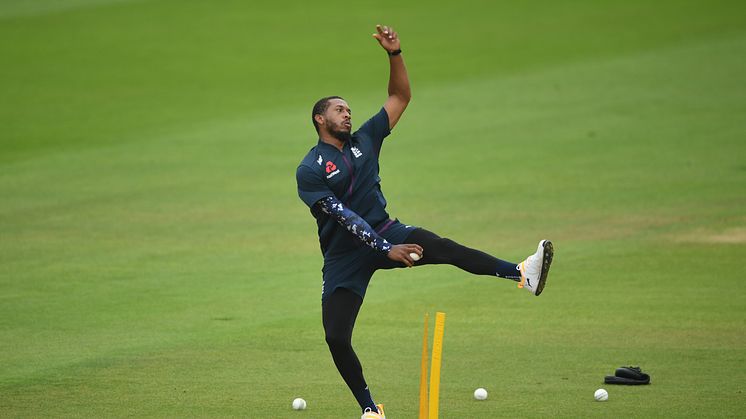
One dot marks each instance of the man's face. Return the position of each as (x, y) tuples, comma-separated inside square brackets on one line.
[(338, 119)]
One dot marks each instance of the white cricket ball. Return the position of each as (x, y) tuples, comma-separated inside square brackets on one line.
[(415, 257), (601, 395), (480, 394), (299, 404)]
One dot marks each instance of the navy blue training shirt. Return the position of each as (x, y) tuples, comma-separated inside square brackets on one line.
[(351, 175)]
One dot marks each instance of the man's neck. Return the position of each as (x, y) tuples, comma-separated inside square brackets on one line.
[(339, 144)]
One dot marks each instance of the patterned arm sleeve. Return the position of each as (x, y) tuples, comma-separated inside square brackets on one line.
[(354, 223)]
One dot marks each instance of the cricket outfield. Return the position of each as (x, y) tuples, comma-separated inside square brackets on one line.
[(155, 260)]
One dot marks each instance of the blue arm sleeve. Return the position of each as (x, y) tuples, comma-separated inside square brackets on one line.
[(354, 223)]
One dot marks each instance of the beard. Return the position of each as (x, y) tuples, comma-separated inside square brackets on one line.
[(343, 136)]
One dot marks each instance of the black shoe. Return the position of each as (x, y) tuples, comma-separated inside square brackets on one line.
[(629, 376)]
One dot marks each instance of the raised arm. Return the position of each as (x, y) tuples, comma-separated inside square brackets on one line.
[(399, 92)]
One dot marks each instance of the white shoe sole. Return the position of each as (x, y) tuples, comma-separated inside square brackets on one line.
[(546, 263)]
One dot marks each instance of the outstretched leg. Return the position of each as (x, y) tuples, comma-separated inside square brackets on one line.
[(440, 250), (531, 273), (339, 312)]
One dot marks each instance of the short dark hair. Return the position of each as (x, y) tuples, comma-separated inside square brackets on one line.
[(320, 107)]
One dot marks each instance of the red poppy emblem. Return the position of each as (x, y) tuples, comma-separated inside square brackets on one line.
[(330, 167)]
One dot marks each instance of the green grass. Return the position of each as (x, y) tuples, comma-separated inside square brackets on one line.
[(155, 260)]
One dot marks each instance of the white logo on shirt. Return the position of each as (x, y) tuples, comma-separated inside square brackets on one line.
[(332, 174), (357, 153), (319, 160)]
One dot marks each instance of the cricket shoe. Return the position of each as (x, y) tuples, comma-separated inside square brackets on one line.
[(369, 414), (535, 268)]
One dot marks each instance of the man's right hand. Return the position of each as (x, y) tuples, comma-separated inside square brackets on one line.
[(400, 253), (388, 39)]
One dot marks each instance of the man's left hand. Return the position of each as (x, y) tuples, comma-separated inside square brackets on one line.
[(387, 37)]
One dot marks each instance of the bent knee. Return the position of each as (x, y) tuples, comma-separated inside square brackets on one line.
[(336, 341)]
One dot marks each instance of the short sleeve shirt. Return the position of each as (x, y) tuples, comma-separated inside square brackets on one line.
[(351, 175)]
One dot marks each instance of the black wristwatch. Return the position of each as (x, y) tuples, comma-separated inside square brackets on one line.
[(392, 53)]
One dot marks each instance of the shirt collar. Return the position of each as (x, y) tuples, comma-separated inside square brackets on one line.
[(325, 144)]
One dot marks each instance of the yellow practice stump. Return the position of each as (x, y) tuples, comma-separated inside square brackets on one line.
[(440, 323), (429, 399)]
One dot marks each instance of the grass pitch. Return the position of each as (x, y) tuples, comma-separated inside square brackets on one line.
[(156, 262)]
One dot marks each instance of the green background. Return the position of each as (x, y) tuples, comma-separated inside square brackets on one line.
[(155, 260)]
